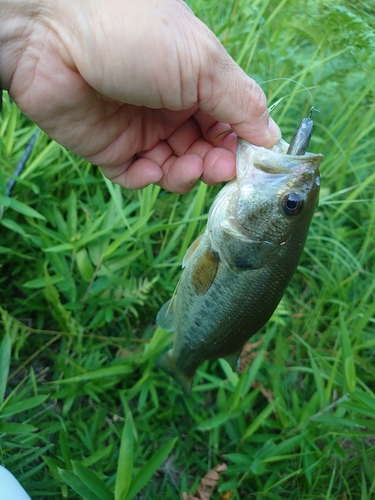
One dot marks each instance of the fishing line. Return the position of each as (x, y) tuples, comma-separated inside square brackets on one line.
[(273, 106)]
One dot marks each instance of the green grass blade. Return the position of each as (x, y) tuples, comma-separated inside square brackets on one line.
[(347, 356), (125, 236), (149, 469), (259, 420), (77, 485), (318, 381), (65, 450), (10, 428), (116, 194), (195, 214), (282, 448), (5, 353), (125, 461), (101, 373), (92, 481), (20, 207), (46, 156), (72, 215), (11, 128), (27, 404), (13, 226), (84, 265), (216, 421)]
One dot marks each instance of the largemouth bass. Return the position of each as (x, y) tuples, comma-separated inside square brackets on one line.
[(236, 272)]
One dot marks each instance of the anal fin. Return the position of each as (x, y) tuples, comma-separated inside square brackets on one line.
[(169, 365), (234, 359)]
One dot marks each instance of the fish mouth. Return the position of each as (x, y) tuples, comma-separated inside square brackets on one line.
[(270, 170), (262, 166), (278, 161)]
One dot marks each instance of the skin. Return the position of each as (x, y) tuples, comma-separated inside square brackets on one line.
[(141, 88)]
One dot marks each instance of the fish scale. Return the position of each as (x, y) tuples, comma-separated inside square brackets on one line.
[(260, 291)]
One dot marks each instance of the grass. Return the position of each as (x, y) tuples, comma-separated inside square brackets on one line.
[(86, 265)]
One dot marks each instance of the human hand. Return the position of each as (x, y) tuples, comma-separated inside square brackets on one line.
[(142, 89)]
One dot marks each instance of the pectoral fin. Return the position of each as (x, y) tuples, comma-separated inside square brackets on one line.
[(164, 319), (204, 272)]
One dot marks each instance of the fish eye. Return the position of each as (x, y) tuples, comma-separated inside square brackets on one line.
[(292, 204)]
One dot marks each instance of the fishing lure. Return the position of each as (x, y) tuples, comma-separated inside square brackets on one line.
[(301, 138)]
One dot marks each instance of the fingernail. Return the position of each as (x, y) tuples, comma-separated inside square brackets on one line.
[(274, 130)]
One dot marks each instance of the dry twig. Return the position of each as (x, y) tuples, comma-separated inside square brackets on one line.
[(249, 353)]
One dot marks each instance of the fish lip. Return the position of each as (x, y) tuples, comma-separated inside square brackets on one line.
[(275, 161), (283, 146), (302, 162)]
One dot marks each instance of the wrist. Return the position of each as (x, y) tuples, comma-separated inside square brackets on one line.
[(17, 22)]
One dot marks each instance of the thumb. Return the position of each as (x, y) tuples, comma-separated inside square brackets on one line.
[(227, 94)]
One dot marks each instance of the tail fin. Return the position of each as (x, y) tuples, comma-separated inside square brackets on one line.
[(168, 364)]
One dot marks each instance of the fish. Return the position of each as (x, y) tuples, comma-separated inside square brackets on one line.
[(235, 274)]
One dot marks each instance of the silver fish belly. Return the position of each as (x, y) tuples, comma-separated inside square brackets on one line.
[(236, 272)]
